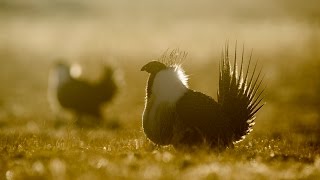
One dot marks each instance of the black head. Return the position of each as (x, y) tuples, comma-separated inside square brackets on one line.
[(153, 67)]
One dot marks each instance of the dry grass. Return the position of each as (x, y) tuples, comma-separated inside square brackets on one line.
[(81, 154)]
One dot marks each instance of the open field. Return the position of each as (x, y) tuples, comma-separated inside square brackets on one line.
[(285, 143)]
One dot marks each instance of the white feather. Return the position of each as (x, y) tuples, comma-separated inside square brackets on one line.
[(57, 76), (170, 84)]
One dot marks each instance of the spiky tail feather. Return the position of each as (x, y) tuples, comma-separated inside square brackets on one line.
[(239, 94)]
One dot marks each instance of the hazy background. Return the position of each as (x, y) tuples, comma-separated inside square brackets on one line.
[(284, 36)]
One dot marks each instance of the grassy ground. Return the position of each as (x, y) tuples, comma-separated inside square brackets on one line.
[(285, 143), (78, 154)]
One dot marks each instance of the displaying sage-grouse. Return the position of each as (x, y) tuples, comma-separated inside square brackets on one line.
[(79, 96), (175, 114)]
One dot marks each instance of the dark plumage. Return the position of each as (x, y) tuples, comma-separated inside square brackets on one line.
[(175, 114), (79, 96)]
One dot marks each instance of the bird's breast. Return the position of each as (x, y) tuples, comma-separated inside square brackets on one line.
[(158, 121)]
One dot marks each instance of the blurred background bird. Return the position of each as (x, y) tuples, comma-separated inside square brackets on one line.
[(177, 115), (83, 98)]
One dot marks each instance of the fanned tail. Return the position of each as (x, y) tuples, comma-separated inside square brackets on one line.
[(239, 95)]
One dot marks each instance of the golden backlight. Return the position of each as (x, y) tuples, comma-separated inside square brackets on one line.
[(37, 142)]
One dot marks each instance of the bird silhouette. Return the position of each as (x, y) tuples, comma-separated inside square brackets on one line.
[(176, 115), (83, 98)]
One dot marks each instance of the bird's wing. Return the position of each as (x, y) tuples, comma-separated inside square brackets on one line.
[(197, 110)]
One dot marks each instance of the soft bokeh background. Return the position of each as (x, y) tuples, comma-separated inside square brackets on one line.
[(284, 36)]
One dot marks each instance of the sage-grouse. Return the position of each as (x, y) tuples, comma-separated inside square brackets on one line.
[(177, 115), (81, 97)]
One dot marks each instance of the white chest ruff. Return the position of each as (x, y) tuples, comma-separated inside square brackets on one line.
[(169, 85), (159, 114)]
